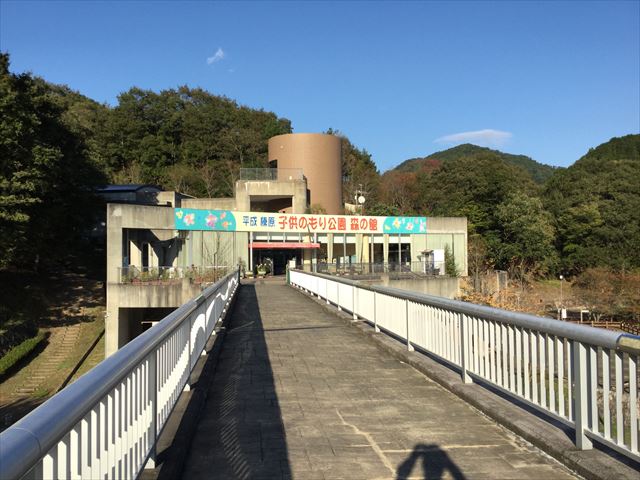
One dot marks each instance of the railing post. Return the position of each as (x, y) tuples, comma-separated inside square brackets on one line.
[(580, 395), (152, 386), (187, 385), (464, 348), (353, 302), (375, 316), (406, 314)]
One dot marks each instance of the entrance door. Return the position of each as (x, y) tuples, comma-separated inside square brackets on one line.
[(277, 257)]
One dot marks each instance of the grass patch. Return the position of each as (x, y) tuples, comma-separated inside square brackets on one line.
[(41, 393), (17, 353)]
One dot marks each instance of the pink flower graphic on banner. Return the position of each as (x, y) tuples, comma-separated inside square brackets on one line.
[(189, 219), (211, 220)]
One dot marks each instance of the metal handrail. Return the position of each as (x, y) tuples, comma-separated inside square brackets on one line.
[(23, 444), (559, 368), (582, 333), (271, 174)]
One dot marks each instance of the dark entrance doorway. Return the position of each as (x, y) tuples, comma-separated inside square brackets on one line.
[(277, 257)]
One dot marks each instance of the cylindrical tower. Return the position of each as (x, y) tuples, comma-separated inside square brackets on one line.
[(320, 158)]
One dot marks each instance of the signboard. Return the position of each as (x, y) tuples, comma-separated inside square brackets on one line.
[(228, 221)]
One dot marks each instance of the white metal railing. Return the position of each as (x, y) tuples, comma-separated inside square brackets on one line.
[(105, 425), (169, 274), (267, 174), (583, 376)]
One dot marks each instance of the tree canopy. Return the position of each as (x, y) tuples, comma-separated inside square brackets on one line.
[(539, 172), (56, 145), (595, 204), (46, 176)]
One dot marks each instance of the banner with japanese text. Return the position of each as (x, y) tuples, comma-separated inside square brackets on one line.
[(228, 221)]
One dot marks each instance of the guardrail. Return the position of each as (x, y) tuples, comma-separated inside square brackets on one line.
[(271, 174), (412, 269), (169, 274), (583, 376), (106, 423)]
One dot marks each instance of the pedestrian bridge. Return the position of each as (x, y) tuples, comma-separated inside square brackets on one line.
[(325, 378)]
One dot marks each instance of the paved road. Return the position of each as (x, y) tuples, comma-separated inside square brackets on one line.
[(299, 394)]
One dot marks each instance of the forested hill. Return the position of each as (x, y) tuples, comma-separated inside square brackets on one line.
[(539, 172), (56, 145), (596, 206)]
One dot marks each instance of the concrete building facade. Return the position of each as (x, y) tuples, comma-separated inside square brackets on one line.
[(159, 256), (319, 156)]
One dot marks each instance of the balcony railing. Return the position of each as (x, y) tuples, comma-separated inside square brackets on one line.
[(169, 275), (271, 174), (106, 424), (410, 269), (585, 377)]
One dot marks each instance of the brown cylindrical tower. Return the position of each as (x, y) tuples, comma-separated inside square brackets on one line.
[(320, 158)]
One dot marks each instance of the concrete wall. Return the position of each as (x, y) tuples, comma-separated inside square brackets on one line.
[(270, 190), (134, 217), (210, 203), (320, 157), (155, 296), (442, 231), (214, 249)]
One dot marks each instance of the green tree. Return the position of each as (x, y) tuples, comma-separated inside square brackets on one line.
[(450, 265), (359, 172), (595, 204), (471, 187), (525, 239), (45, 175)]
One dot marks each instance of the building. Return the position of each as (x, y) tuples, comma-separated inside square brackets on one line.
[(160, 253)]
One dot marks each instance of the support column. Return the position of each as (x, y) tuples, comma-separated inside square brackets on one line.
[(251, 252), (344, 248), (329, 247), (385, 248), (114, 262), (135, 252), (359, 248), (314, 260), (372, 243)]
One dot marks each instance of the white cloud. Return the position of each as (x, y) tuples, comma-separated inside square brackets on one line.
[(219, 55), (487, 137)]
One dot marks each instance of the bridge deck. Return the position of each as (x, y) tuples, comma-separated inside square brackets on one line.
[(298, 393)]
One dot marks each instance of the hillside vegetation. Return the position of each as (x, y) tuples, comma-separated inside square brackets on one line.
[(595, 204), (539, 172), (531, 219)]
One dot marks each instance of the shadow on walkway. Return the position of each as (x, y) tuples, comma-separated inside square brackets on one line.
[(435, 463), (241, 435)]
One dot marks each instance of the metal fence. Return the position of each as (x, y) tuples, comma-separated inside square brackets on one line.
[(583, 376), (271, 174), (169, 274), (411, 269), (105, 425)]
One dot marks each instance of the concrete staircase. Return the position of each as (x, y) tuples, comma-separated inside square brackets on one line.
[(62, 341)]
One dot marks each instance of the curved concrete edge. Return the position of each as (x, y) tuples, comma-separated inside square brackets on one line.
[(550, 436)]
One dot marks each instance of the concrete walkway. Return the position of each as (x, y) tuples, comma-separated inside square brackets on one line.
[(299, 394)]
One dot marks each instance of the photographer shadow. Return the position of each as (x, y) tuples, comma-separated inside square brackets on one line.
[(435, 464)]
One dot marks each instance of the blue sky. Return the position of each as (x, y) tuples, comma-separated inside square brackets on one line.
[(546, 79)]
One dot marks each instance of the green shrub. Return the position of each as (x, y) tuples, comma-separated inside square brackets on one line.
[(450, 266), (18, 352)]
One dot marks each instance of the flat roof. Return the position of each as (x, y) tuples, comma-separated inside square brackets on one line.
[(132, 187)]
